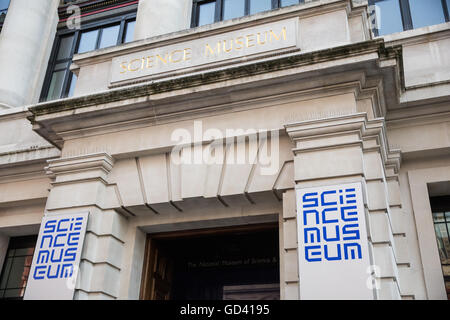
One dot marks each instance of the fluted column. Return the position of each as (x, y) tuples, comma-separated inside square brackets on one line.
[(25, 44), (157, 17)]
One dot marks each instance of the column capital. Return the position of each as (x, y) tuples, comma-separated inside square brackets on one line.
[(341, 131), (90, 166)]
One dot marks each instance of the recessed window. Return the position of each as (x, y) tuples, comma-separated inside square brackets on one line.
[(16, 267), (391, 16), (440, 207), (210, 11), (60, 81)]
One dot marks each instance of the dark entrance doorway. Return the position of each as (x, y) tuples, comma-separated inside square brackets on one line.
[(236, 263)]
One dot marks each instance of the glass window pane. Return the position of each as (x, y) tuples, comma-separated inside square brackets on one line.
[(88, 41), (110, 36), (448, 6), (260, 5), (5, 273), (12, 293), (438, 217), (61, 66), (24, 252), (65, 46), (426, 12), (387, 18), (15, 279), (4, 4), (129, 31), (28, 261), (285, 3), (11, 252), (443, 241), (447, 214), (446, 242), (206, 13), (440, 242), (73, 82), (56, 84), (233, 9)]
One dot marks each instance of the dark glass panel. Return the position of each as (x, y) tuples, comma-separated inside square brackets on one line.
[(65, 47), (12, 293), (61, 66), (5, 273), (24, 252), (15, 279)]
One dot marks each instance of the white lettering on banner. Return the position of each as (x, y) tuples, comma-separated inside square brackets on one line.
[(56, 257), (333, 245), (281, 35)]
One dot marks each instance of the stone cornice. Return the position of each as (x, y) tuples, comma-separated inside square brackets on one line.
[(370, 134), (101, 161), (188, 81)]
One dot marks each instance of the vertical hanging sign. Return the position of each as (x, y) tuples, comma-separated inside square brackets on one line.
[(57, 257), (332, 243)]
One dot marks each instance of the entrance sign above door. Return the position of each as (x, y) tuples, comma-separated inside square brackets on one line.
[(197, 54), (332, 243), (57, 257)]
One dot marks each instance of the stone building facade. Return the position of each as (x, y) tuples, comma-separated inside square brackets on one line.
[(316, 93)]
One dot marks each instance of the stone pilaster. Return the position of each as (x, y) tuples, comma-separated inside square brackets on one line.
[(347, 149), (289, 254), (80, 184), (25, 43)]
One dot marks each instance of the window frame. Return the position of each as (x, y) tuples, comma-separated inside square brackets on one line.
[(441, 204), (218, 14), (100, 24), (405, 11), (22, 242)]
